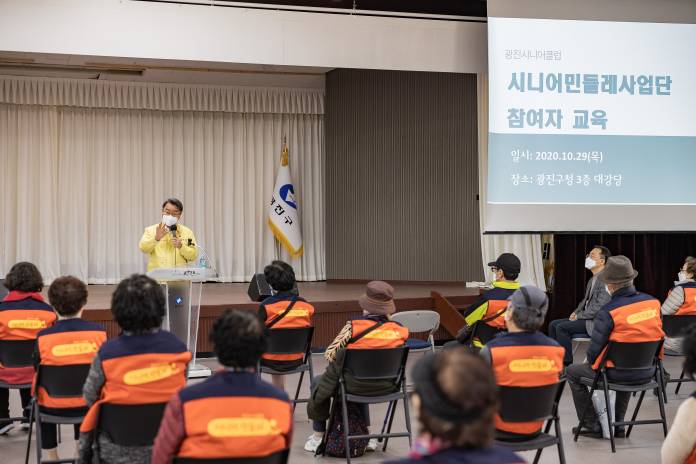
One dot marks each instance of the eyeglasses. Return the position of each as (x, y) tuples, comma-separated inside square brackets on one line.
[(172, 212)]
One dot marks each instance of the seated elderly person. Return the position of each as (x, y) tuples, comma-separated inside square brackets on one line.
[(23, 314), (538, 358), (377, 304), (456, 401), (233, 413), (143, 365)]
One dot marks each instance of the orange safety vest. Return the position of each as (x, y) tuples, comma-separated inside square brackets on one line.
[(68, 342), (299, 316), (524, 360), (634, 323), (234, 415), (688, 308), (494, 307), (140, 369), (22, 317), (389, 335)]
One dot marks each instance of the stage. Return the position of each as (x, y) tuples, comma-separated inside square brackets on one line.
[(335, 303)]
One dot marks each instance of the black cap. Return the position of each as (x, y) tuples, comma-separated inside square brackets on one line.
[(509, 263)]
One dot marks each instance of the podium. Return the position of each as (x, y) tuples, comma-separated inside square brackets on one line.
[(183, 287)]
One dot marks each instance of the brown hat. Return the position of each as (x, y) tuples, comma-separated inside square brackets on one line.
[(618, 270), (378, 298)]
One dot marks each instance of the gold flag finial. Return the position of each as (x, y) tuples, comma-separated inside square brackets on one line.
[(284, 156)]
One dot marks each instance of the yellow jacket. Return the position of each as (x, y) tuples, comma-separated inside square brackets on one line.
[(163, 254)]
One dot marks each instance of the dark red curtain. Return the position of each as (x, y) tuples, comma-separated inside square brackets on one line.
[(656, 257)]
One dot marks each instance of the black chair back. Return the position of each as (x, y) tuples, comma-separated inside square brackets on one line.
[(633, 356), (280, 457), (290, 341), (131, 424), (485, 332), (63, 381), (526, 404), (674, 326), (377, 364), (17, 353)]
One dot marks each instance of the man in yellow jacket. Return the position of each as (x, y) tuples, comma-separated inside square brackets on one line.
[(169, 244)]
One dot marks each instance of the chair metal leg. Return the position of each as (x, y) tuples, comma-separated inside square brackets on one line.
[(635, 413), (407, 417), (537, 455), (610, 414), (384, 424), (662, 409), (679, 384), (346, 428), (559, 435), (39, 441), (392, 413), (660, 375), (31, 424), (297, 391)]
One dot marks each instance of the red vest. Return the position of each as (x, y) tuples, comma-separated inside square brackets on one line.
[(517, 365), (300, 316), (69, 342), (140, 369), (234, 415), (634, 323), (388, 335), (22, 317)]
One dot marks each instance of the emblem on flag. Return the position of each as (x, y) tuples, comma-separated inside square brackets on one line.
[(283, 214)]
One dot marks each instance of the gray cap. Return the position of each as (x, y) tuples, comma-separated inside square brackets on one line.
[(532, 299)]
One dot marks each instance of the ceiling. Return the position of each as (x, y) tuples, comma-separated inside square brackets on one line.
[(475, 8)]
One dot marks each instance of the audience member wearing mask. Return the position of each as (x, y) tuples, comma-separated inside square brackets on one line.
[(169, 243), (681, 300), (491, 305), (456, 401), (629, 317), (538, 358), (581, 320), (680, 445)]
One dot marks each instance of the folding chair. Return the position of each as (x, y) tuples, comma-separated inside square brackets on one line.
[(280, 457), (526, 404), (59, 382), (674, 327), (578, 339), (419, 321), (16, 353), (291, 341), (378, 364), (483, 333), (628, 357), (130, 424)]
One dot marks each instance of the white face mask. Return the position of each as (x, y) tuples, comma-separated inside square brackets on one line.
[(681, 276), (169, 220), (606, 288), (590, 263)]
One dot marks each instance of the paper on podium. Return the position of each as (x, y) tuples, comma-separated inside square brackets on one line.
[(194, 274)]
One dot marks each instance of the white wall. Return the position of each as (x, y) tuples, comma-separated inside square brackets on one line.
[(234, 35)]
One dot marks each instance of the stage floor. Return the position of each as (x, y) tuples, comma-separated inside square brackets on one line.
[(231, 294), (334, 302)]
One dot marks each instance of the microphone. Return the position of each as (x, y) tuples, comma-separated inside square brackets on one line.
[(172, 230)]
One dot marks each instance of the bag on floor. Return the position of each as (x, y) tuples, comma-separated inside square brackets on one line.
[(334, 442), (601, 409)]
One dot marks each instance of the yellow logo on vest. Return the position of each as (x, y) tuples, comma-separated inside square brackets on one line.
[(245, 426), (150, 374), (531, 365), (298, 313), (74, 349), (641, 316), (31, 324), (384, 334)]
